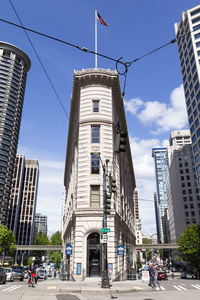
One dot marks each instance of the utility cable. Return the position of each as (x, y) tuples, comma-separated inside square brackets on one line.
[(42, 65), (40, 61), (84, 49)]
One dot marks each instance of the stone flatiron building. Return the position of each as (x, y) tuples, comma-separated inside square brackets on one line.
[(97, 111)]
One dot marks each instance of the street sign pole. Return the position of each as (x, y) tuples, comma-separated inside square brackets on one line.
[(105, 279)]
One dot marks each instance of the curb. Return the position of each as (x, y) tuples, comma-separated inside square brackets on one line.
[(101, 291)]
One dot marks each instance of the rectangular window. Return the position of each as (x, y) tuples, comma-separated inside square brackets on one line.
[(195, 28), (195, 20), (95, 196), (94, 163), (195, 12), (95, 105), (197, 36), (95, 133)]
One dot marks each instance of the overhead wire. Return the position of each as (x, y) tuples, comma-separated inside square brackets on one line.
[(126, 65), (42, 65), (84, 49)]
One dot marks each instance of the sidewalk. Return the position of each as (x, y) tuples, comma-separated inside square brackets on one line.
[(93, 285)]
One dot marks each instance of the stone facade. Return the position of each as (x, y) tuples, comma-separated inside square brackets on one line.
[(96, 110)]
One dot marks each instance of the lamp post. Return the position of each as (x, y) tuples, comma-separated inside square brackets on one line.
[(105, 278)]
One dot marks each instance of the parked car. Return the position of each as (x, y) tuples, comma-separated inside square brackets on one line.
[(10, 275), (3, 275), (162, 275), (18, 273), (42, 274)]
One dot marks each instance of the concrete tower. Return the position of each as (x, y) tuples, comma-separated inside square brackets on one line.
[(14, 65)]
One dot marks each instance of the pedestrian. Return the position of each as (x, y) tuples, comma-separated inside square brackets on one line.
[(151, 276)]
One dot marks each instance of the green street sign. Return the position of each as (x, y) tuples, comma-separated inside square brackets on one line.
[(105, 230)]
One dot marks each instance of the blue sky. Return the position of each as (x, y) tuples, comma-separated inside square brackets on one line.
[(154, 98)]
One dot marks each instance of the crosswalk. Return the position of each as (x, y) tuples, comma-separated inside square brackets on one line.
[(180, 287), (11, 288)]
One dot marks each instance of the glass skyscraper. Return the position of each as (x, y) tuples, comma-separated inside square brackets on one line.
[(160, 199), (14, 65)]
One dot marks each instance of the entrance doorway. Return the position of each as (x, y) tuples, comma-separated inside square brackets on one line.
[(93, 255)]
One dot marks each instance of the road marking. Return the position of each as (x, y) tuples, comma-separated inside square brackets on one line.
[(181, 287), (138, 288), (196, 286), (12, 288), (177, 288), (51, 288), (162, 288)]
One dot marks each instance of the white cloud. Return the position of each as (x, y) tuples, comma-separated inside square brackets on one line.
[(145, 179), (164, 117)]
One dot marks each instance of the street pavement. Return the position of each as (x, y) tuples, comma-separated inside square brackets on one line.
[(55, 289)]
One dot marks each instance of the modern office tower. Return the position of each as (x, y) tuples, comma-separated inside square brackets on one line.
[(97, 112), (138, 224), (40, 224), (23, 200), (14, 65), (182, 189), (188, 40), (160, 199)]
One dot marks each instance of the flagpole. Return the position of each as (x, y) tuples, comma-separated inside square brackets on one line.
[(95, 38)]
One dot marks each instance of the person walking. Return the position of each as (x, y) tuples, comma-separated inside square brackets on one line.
[(153, 278)]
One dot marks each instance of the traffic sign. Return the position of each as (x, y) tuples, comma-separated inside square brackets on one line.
[(105, 230), (68, 249), (120, 250)]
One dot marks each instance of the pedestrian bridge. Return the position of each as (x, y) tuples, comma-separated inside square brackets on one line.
[(60, 247), (39, 247), (157, 246)]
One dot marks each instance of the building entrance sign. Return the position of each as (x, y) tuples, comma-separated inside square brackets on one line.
[(120, 250), (68, 249)]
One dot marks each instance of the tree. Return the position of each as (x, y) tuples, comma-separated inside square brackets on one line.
[(146, 241), (40, 239), (55, 256), (189, 246), (7, 240)]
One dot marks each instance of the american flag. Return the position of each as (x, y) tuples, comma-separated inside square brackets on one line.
[(101, 20)]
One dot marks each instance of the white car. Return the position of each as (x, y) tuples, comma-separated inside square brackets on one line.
[(9, 273)]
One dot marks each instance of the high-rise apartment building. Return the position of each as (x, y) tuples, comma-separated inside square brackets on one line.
[(182, 189), (188, 40), (97, 112), (160, 199), (138, 224), (23, 199), (14, 65), (40, 224)]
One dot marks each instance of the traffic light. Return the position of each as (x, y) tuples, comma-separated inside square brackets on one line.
[(120, 141), (107, 203), (112, 184)]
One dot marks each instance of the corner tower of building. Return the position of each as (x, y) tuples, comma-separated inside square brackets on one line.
[(97, 111), (14, 65)]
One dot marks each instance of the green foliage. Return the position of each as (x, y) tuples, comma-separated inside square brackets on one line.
[(55, 256), (40, 239), (146, 241), (7, 239), (138, 262), (189, 245), (56, 238)]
